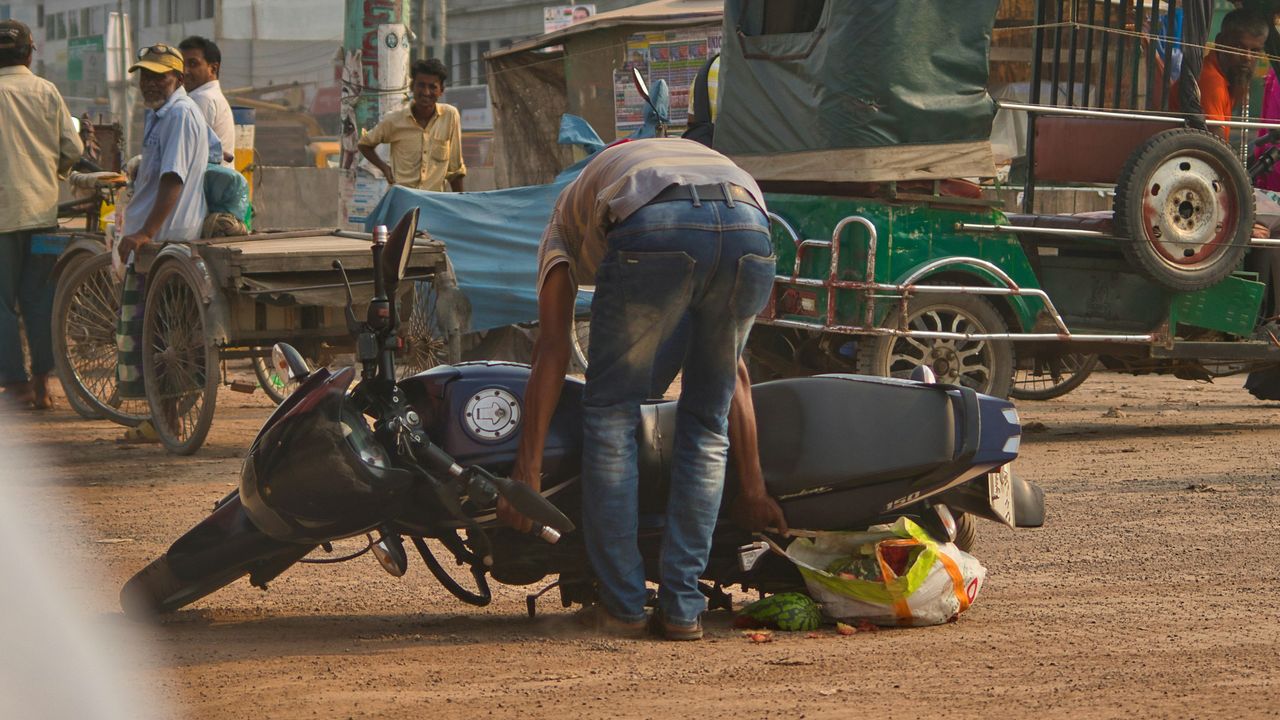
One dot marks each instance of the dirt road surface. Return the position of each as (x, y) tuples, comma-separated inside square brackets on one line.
[(1151, 592)]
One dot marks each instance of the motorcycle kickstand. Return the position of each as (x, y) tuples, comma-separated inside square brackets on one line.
[(717, 598), (531, 601)]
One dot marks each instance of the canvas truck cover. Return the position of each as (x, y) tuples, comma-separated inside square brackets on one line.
[(856, 90)]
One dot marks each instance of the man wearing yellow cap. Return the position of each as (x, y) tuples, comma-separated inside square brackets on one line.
[(168, 193)]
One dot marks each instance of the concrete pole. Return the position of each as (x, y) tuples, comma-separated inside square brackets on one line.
[(442, 13)]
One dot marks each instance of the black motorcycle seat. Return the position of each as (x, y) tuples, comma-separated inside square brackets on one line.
[(827, 431)]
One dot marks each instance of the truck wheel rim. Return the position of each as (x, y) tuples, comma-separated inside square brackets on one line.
[(957, 362), (1188, 211)]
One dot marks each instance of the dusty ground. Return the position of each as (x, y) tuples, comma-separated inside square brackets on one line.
[(1152, 592)]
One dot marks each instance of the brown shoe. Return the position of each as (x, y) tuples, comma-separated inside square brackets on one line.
[(659, 626), (595, 617)]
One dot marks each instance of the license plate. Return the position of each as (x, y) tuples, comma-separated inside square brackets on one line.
[(1000, 493)]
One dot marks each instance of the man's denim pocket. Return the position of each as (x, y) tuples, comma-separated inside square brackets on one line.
[(661, 280), (752, 286)]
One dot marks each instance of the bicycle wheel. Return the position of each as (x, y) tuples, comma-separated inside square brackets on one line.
[(179, 362), (426, 342), (86, 307), (1052, 377)]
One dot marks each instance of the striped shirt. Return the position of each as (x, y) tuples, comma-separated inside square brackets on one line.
[(616, 183)]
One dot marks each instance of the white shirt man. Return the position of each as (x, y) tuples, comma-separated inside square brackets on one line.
[(203, 62)]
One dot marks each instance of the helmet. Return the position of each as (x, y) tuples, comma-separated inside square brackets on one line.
[(317, 473)]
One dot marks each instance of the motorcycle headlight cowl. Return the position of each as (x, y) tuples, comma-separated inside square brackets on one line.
[(318, 473)]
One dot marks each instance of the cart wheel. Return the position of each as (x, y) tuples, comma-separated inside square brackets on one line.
[(426, 342), (86, 307), (1184, 205), (580, 334), (179, 362), (1052, 376), (984, 365), (61, 365)]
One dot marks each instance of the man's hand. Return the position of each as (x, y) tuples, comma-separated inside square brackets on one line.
[(390, 176), (752, 511), (508, 514), (130, 243)]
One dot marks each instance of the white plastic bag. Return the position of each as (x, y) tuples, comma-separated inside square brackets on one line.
[(934, 582)]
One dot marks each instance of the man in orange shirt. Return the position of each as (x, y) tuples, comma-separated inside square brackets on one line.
[(1228, 68)]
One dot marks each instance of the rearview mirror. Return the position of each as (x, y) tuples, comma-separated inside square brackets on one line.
[(395, 254), (641, 87)]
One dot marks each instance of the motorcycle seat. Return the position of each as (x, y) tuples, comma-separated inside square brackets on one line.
[(833, 431)]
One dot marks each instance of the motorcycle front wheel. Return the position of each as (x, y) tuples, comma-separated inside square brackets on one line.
[(156, 590)]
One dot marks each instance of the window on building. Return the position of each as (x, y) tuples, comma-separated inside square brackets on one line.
[(73, 24), (50, 29), (448, 63), (40, 15), (61, 19), (463, 69), (86, 21), (4, 12), (209, 9), (482, 71)]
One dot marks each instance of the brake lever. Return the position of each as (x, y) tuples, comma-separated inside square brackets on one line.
[(523, 499)]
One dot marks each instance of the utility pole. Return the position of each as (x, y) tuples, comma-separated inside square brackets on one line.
[(442, 11)]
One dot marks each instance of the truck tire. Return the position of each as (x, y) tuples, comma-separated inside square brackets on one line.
[(1184, 210)]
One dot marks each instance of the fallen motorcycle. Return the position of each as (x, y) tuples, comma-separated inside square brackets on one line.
[(839, 452)]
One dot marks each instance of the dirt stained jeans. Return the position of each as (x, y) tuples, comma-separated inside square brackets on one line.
[(714, 263)]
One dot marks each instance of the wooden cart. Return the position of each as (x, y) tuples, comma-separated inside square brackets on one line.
[(209, 301)]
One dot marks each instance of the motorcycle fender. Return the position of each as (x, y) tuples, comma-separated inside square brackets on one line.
[(226, 539), (79, 248), (975, 498)]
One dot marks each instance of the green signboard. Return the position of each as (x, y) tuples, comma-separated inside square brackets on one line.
[(86, 58)]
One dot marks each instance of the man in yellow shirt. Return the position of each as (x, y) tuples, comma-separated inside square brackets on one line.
[(425, 138)]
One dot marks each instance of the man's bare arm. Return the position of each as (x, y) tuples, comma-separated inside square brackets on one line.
[(166, 200), (550, 360), (370, 153), (753, 509)]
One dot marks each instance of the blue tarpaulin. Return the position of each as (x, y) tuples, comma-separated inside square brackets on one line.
[(492, 237), (492, 240)]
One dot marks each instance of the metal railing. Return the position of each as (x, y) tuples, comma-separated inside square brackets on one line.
[(903, 291)]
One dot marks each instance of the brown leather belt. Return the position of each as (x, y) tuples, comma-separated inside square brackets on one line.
[(697, 193)]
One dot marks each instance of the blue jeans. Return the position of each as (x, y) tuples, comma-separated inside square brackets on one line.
[(713, 263), (26, 288)]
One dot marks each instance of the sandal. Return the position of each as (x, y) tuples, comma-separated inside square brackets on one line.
[(144, 433)]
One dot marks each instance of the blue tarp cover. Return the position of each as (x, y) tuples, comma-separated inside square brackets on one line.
[(492, 237)]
